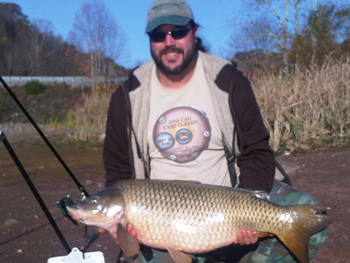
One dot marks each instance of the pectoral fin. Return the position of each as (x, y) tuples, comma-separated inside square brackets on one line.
[(128, 243), (180, 257)]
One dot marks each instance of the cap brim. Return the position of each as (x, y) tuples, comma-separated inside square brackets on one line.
[(171, 20)]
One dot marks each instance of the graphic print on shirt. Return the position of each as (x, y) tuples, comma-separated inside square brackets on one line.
[(182, 133)]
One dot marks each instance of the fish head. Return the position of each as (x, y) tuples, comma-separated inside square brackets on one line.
[(104, 209)]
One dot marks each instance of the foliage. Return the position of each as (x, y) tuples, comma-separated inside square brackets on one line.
[(321, 37), (34, 87), (321, 32)]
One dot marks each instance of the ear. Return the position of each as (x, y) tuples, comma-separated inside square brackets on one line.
[(195, 31)]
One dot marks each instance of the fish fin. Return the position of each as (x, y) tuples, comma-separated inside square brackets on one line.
[(308, 220), (257, 193), (180, 257), (262, 234), (128, 243)]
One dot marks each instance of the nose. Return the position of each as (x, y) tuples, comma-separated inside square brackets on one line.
[(169, 40)]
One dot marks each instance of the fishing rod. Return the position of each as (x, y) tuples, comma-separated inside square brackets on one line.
[(63, 204), (34, 190), (80, 186)]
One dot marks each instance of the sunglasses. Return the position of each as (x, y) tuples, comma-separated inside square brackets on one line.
[(177, 33)]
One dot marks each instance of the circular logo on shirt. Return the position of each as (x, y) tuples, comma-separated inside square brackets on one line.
[(182, 133)]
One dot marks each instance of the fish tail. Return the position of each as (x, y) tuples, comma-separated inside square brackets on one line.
[(307, 220)]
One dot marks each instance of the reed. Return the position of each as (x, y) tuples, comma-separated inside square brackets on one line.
[(310, 108), (88, 120)]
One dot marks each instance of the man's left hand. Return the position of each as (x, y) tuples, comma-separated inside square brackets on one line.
[(245, 237)]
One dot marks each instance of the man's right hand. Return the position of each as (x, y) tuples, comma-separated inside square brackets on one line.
[(130, 229)]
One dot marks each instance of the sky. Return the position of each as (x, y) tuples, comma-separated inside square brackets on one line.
[(213, 16)]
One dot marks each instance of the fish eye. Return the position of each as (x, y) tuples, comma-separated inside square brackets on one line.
[(94, 201)]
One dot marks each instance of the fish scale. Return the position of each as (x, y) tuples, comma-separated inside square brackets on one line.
[(189, 214), (193, 218)]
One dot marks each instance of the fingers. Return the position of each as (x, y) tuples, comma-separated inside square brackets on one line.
[(130, 229), (245, 237), (111, 231), (102, 230)]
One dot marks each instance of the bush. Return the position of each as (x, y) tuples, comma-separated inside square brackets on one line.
[(34, 87)]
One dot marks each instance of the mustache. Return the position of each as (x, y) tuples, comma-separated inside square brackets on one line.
[(171, 49)]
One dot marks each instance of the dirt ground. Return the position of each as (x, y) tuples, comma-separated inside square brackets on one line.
[(26, 235)]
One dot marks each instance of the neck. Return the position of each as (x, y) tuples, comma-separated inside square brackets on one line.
[(179, 80)]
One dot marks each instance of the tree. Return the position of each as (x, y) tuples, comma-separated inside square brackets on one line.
[(97, 33), (278, 10), (13, 24), (41, 31), (275, 24), (325, 32), (255, 35)]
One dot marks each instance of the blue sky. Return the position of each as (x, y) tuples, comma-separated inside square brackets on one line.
[(213, 16)]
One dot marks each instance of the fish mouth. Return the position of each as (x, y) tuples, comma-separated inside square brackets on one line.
[(65, 206)]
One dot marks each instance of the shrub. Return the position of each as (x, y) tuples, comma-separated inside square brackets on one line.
[(34, 87)]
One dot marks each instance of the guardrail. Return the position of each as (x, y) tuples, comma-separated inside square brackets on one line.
[(73, 81)]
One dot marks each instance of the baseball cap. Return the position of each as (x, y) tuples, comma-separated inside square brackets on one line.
[(174, 12)]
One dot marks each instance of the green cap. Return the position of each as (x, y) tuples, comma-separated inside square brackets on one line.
[(174, 12)]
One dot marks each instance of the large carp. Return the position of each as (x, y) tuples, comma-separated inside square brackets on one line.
[(189, 218)]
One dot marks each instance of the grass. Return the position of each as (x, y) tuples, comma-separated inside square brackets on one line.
[(49, 106), (309, 109)]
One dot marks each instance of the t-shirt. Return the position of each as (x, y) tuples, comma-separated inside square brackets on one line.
[(184, 138)]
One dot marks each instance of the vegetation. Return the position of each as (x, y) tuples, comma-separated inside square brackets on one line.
[(34, 87), (89, 119), (288, 34), (30, 48), (309, 109), (49, 107)]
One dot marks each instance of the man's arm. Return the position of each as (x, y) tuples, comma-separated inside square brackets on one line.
[(256, 160), (116, 155)]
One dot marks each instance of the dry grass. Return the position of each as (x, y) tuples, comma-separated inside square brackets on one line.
[(89, 119), (308, 109)]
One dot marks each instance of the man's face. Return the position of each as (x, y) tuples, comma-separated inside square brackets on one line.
[(173, 56)]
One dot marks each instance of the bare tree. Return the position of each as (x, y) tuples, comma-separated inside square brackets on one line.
[(97, 33), (281, 40), (38, 37), (258, 34), (296, 5), (272, 22)]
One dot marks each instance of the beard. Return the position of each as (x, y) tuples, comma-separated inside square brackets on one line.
[(187, 60)]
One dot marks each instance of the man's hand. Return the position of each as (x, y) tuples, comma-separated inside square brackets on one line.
[(130, 229), (245, 237)]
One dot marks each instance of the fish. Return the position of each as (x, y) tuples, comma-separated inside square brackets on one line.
[(188, 218)]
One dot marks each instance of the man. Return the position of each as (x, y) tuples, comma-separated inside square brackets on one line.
[(187, 115)]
